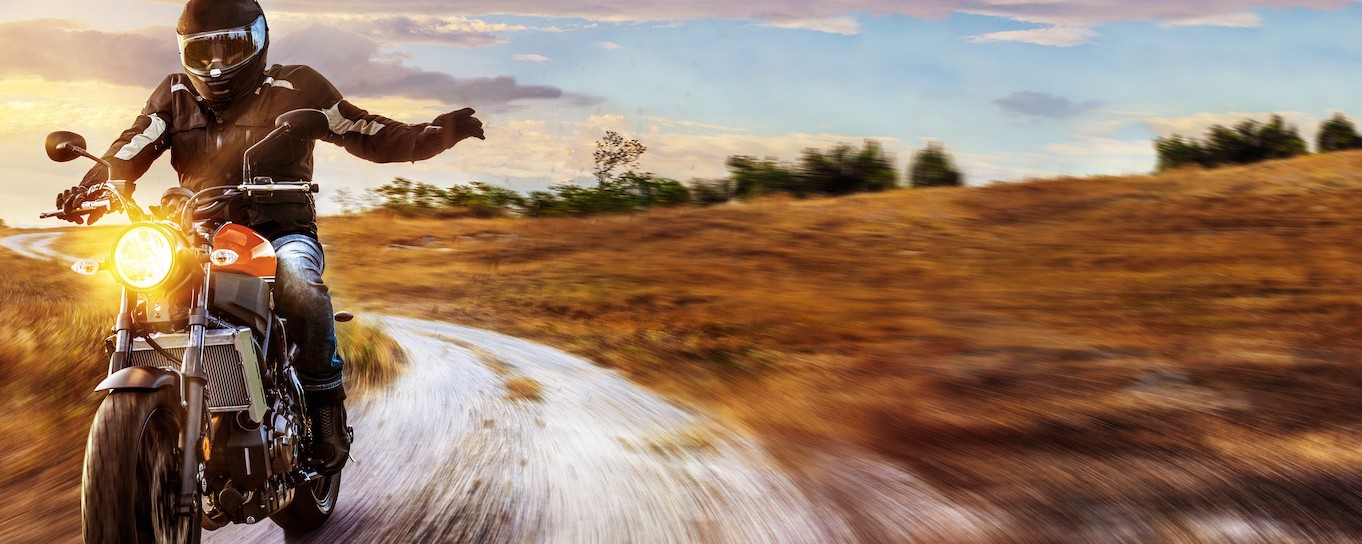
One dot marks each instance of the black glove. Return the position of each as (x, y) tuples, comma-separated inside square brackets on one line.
[(71, 199), (457, 126)]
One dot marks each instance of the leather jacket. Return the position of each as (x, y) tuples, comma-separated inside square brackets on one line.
[(206, 143)]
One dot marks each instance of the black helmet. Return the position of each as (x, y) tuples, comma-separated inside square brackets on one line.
[(223, 44)]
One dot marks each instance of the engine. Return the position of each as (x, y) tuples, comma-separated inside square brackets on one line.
[(254, 467)]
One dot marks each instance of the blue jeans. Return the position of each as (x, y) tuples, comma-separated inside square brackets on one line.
[(302, 299)]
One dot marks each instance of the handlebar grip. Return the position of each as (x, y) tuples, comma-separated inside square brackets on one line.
[(86, 208)]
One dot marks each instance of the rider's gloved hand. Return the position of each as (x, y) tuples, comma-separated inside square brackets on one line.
[(70, 200), (457, 126)]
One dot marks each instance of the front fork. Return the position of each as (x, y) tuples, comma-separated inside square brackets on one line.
[(192, 382), (191, 386)]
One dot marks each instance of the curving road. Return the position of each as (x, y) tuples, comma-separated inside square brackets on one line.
[(36, 245), (489, 438)]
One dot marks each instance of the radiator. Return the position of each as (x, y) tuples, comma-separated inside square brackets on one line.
[(230, 363)]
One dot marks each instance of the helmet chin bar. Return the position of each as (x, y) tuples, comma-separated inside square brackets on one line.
[(231, 84)]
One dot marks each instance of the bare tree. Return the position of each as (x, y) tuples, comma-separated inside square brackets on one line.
[(613, 152)]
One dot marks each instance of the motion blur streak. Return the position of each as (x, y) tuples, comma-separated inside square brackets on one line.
[(593, 459)]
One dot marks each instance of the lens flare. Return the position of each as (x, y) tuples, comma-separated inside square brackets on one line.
[(144, 257)]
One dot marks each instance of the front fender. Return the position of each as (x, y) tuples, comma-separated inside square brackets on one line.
[(139, 378)]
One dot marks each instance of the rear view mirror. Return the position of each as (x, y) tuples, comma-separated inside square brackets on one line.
[(304, 124), (63, 146)]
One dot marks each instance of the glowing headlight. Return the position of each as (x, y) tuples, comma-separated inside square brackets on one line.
[(144, 257)]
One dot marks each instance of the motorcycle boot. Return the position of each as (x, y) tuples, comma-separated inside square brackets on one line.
[(331, 435)]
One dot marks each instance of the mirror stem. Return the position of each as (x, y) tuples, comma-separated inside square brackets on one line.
[(108, 168), (246, 157)]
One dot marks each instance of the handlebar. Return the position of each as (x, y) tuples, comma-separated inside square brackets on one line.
[(98, 205), (210, 206), (283, 187)]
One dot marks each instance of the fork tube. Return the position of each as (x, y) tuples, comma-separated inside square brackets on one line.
[(123, 333), (194, 385)]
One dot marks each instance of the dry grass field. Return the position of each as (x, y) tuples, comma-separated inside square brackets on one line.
[(51, 357), (1144, 358)]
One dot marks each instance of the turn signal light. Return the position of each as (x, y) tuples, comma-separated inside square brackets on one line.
[(86, 267), (223, 257)]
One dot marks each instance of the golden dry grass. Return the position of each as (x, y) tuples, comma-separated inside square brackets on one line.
[(51, 357), (1142, 352), (372, 358)]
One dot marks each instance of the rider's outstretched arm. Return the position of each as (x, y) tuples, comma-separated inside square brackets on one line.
[(380, 139)]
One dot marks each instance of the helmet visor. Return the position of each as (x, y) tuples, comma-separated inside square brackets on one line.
[(222, 50)]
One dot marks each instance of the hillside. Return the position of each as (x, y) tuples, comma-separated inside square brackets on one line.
[(1156, 357)]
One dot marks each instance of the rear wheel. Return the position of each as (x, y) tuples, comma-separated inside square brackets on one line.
[(311, 507), (131, 481)]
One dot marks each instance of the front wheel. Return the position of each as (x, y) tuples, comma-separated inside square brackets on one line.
[(312, 505), (132, 472)]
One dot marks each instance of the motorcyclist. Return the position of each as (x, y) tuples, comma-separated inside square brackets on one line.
[(225, 101)]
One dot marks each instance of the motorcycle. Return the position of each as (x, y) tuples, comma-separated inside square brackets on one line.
[(204, 423)]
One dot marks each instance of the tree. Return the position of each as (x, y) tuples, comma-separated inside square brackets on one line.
[(933, 167), (352, 202), (1338, 134), (613, 152)]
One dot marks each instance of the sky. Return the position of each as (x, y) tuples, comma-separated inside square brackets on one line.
[(1014, 89)]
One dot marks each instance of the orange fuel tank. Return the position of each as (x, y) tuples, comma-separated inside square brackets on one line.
[(255, 255)]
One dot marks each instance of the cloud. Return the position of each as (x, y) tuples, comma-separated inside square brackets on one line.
[(1037, 104), (444, 30), (356, 67), (1089, 12), (1197, 124), (531, 58), (1055, 36), (63, 50), (607, 45), (1230, 20), (845, 25), (1047, 12), (353, 62)]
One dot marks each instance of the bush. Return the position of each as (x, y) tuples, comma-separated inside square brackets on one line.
[(709, 192), (1248, 142), (406, 196), (483, 200), (372, 358), (840, 170), (843, 170), (1338, 134), (933, 167)]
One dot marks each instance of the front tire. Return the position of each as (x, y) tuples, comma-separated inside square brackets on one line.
[(312, 505), (132, 472)]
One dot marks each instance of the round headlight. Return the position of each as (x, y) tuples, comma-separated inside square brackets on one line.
[(144, 257)]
